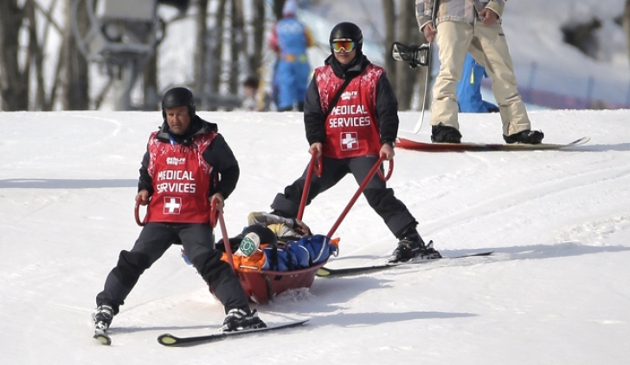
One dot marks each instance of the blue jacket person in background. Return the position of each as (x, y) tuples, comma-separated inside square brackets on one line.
[(290, 39), (469, 89)]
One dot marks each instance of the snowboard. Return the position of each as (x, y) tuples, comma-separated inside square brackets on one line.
[(480, 147)]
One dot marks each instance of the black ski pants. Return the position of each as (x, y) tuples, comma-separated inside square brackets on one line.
[(154, 240), (395, 214)]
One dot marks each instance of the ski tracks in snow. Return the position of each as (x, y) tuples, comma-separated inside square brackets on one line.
[(509, 197)]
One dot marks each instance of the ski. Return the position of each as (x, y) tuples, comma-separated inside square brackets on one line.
[(480, 147), (102, 337), (356, 270), (168, 339)]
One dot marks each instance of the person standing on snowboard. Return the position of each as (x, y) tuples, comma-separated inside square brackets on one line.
[(472, 26)]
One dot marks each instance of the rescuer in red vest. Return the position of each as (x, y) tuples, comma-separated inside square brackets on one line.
[(178, 183), (351, 119)]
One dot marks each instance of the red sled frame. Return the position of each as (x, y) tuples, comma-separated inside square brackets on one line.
[(262, 286)]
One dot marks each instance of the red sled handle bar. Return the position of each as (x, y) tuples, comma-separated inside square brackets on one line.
[(216, 215), (314, 166), (137, 214), (367, 179)]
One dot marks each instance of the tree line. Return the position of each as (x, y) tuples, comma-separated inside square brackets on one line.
[(42, 67)]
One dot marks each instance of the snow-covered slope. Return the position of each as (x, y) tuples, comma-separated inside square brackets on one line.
[(556, 291)]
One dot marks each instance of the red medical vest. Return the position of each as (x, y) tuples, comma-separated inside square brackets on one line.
[(181, 181), (351, 126)]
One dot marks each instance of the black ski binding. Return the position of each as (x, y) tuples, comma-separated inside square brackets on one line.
[(414, 55)]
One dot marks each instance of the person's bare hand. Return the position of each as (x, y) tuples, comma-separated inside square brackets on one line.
[(219, 199), (143, 197), (387, 151), (301, 228), (429, 32), (316, 147), (488, 17)]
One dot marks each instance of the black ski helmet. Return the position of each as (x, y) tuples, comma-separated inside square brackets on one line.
[(178, 96), (347, 30)]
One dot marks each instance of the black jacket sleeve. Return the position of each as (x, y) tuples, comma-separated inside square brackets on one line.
[(386, 110), (314, 117), (145, 182), (220, 156)]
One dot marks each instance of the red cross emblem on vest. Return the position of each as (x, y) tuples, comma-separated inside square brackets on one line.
[(349, 141), (172, 205)]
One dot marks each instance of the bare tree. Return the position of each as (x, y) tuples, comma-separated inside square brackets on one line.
[(237, 45), (150, 85), (626, 24), (38, 57), (201, 49), (23, 81), (42, 101), (218, 75), (216, 51), (277, 8), (76, 83), (389, 13), (404, 29), (14, 79), (258, 25), (407, 34)]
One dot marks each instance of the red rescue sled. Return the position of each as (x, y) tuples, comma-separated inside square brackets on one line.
[(261, 286)]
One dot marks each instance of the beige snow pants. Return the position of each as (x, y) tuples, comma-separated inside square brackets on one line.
[(487, 45)]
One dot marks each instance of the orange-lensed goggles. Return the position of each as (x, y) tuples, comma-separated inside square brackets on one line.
[(347, 45)]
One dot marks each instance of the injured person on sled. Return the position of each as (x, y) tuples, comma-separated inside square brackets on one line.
[(273, 243)]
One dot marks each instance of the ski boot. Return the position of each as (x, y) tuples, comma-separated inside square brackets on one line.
[(411, 246), (238, 320), (526, 136), (102, 318)]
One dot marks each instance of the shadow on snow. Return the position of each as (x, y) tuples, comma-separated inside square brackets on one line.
[(67, 183)]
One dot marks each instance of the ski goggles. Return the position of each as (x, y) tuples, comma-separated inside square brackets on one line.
[(347, 45)]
